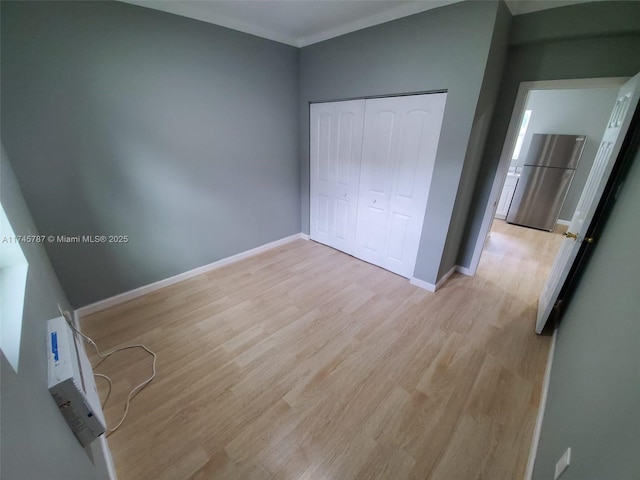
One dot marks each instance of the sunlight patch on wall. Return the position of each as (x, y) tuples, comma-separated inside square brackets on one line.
[(521, 133), (13, 283)]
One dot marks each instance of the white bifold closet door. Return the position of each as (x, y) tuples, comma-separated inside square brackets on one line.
[(399, 142), (398, 155)]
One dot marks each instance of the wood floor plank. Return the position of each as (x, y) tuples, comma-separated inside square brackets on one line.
[(302, 363)]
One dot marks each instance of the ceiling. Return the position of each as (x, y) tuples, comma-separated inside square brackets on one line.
[(304, 22)]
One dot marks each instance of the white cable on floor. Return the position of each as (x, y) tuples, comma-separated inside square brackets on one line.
[(102, 375), (103, 357)]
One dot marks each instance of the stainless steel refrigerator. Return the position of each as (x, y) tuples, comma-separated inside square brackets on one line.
[(545, 179)]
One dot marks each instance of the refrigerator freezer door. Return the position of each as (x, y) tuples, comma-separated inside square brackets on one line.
[(560, 151), (539, 197)]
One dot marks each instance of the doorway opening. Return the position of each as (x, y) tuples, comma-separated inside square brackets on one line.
[(545, 99)]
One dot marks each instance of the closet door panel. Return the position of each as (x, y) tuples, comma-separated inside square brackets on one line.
[(379, 146), (335, 151), (409, 155), (342, 219), (373, 223), (398, 229), (380, 142), (399, 149), (322, 217)]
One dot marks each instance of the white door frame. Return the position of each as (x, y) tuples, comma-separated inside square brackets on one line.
[(510, 141)]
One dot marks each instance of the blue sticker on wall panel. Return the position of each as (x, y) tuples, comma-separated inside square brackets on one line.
[(54, 345)]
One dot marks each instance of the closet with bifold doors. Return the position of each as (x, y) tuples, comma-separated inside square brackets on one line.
[(371, 166)]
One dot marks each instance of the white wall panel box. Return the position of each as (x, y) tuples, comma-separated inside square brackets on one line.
[(67, 384)]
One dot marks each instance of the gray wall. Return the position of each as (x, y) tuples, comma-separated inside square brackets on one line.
[(571, 112), (478, 137), (446, 48), (125, 120), (35, 440), (594, 395), (591, 40)]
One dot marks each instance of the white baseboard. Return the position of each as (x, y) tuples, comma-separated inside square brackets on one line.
[(465, 271), (140, 291), (543, 403), (430, 287), (446, 276), (565, 223), (108, 459)]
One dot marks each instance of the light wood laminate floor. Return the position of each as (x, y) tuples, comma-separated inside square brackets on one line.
[(305, 363)]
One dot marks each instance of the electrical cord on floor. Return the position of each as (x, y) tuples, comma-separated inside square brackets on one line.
[(101, 375), (103, 357)]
